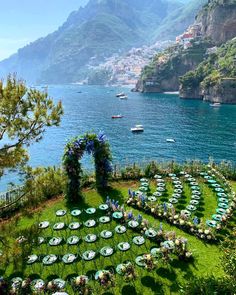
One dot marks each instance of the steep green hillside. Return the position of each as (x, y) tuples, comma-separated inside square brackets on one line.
[(214, 24), (162, 74), (178, 20), (218, 68), (100, 29)]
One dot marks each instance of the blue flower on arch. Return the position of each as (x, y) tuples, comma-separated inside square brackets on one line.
[(101, 136), (92, 144)]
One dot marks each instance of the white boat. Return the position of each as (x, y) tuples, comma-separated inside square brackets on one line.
[(123, 97), (172, 92), (137, 128), (215, 104), (120, 94), (170, 140)]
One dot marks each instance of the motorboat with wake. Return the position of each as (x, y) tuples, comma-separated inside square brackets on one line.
[(121, 95)]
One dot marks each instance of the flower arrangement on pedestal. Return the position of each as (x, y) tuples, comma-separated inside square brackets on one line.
[(128, 271), (106, 279), (52, 287), (181, 249), (150, 262), (80, 285), (93, 144)]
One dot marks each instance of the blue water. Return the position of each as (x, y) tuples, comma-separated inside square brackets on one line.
[(200, 131)]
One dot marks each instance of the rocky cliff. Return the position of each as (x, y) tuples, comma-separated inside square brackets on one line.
[(216, 23), (223, 92), (215, 78), (218, 20), (163, 73)]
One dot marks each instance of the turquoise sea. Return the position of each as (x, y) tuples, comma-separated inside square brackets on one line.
[(200, 130)]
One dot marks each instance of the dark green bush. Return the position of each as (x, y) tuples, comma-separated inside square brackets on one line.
[(209, 286), (44, 183), (229, 256), (131, 172), (151, 169)]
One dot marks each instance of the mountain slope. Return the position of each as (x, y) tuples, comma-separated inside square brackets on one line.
[(195, 66), (100, 29), (218, 20), (178, 20)]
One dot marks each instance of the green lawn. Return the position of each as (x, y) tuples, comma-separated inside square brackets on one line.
[(167, 279)]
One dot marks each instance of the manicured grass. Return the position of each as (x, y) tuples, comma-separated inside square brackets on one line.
[(166, 279), (233, 183)]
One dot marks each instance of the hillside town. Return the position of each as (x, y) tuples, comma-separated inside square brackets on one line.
[(192, 32), (126, 69)]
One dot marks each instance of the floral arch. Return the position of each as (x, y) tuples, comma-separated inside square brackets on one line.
[(91, 143)]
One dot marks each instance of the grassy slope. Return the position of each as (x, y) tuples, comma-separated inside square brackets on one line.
[(167, 279)]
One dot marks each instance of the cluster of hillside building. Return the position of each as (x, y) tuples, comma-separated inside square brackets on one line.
[(192, 32), (126, 69)]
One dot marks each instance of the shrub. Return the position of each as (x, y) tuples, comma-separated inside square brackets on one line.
[(44, 183), (208, 286), (228, 169), (229, 256), (131, 172), (151, 169)]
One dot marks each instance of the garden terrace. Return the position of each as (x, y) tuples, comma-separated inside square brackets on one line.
[(201, 207), (165, 278), (82, 240)]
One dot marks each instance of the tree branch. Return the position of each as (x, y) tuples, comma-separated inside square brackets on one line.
[(21, 141)]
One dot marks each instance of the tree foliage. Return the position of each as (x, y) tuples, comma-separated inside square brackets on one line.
[(24, 115), (44, 183), (209, 72)]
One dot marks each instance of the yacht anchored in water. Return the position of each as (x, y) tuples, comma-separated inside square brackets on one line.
[(137, 128)]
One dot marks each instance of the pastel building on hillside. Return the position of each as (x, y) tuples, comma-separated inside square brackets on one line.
[(191, 33)]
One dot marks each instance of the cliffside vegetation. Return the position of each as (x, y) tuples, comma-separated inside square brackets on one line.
[(221, 64), (172, 63), (214, 25), (99, 77)]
